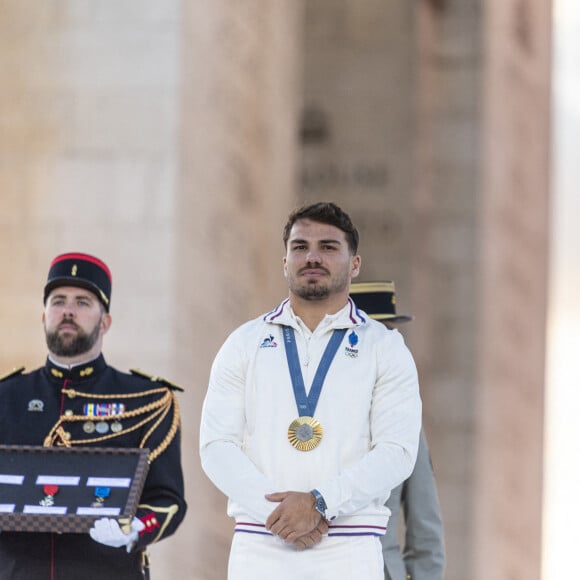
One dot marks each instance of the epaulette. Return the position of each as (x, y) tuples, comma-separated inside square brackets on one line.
[(155, 379), (12, 373)]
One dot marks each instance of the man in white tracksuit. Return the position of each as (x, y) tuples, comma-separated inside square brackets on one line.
[(311, 417)]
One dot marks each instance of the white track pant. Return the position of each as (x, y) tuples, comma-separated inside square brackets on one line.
[(261, 557)]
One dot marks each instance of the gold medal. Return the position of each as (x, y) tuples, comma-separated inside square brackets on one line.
[(305, 433)]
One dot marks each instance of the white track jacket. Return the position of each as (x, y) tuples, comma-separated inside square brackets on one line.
[(369, 409)]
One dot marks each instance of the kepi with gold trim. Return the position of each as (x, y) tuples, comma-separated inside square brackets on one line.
[(83, 271), (378, 300)]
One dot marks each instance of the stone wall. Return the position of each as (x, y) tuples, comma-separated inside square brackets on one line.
[(160, 137), (87, 162), (514, 242), (428, 121), (238, 109), (171, 139)]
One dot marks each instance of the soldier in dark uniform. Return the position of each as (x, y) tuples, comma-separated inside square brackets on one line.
[(78, 399)]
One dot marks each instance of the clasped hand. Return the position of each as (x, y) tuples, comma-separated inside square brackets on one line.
[(295, 520)]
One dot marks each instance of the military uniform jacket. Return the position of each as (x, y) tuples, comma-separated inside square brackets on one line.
[(32, 405), (423, 556)]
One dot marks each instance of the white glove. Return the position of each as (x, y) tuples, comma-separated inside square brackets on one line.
[(108, 532)]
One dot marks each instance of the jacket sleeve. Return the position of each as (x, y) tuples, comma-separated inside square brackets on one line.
[(222, 434), (395, 422), (424, 551), (162, 505)]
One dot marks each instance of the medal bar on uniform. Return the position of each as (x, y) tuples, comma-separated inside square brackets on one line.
[(105, 411)]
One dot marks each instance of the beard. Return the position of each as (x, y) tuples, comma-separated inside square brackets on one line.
[(312, 291), (69, 346), (317, 290)]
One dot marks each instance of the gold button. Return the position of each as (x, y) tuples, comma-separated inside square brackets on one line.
[(68, 413), (67, 435)]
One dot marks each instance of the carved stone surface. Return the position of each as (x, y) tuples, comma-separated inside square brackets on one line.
[(431, 128), (172, 139)]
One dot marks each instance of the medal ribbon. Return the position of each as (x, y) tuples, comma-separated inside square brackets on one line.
[(307, 403)]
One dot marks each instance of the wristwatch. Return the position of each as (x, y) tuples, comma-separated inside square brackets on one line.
[(319, 503)]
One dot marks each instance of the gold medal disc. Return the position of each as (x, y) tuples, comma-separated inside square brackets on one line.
[(305, 433)]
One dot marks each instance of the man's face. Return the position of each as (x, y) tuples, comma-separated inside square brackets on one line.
[(318, 263), (74, 322)]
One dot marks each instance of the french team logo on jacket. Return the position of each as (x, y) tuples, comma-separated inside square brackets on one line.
[(352, 341), (269, 342)]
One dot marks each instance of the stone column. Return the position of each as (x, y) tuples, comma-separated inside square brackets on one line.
[(239, 107), (429, 123), (358, 125), (445, 260), (162, 140), (87, 138), (515, 215), (159, 137)]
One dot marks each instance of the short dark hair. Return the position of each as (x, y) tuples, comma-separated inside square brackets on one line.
[(325, 213)]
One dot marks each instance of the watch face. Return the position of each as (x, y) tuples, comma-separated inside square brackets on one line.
[(319, 504)]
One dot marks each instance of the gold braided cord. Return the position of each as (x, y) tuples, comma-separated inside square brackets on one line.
[(57, 435), (72, 393), (153, 455), (58, 430), (161, 402), (160, 416), (157, 411), (113, 435)]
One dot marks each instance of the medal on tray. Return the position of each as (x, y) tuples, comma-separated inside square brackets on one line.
[(305, 433), (49, 492), (101, 494)]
